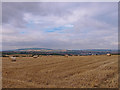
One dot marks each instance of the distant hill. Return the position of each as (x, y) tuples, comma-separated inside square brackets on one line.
[(98, 50), (40, 50), (34, 49), (46, 51)]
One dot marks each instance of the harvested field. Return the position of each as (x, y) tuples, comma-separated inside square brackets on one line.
[(61, 72)]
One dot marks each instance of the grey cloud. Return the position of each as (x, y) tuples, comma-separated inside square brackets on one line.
[(91, 28), (14, 11)]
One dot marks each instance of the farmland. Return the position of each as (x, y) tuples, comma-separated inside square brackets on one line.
[(97, 71)]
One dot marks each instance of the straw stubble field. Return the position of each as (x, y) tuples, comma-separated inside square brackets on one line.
[(61, 72)]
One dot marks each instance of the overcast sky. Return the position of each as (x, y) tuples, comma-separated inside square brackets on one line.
[(60, 25)]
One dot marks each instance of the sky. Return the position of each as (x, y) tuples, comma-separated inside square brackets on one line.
[(60, 25)]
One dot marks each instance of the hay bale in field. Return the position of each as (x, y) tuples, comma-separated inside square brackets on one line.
[(13, 59), (108, 54), (35, 56), (66, 55), (6, 55)]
